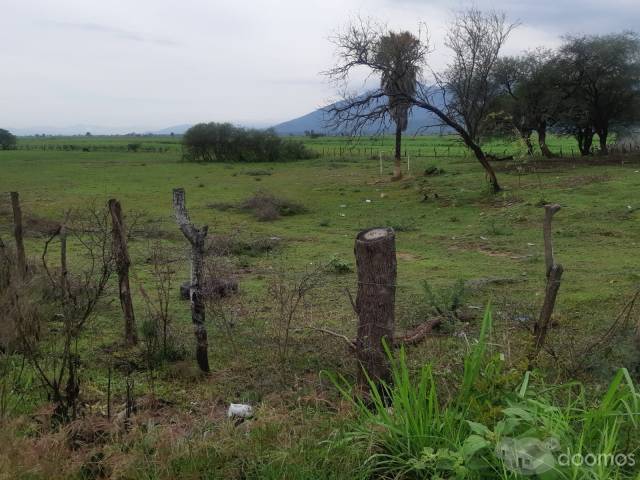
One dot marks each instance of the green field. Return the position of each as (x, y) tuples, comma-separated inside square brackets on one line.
[(449, 228)]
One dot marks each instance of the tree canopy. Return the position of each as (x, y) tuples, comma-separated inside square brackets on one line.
[(7, 140)]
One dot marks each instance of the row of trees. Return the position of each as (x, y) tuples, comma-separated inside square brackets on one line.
[(223, 142), (587, 87)]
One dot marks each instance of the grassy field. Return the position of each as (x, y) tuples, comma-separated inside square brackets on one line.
[(364, 147), (449, 228)]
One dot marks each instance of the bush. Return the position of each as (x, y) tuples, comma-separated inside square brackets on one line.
[(267, 207), (222, 142), (7, 140)]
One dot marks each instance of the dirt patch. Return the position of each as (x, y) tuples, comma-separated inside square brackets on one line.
[(407, 256), (582, 180), (565, 163)]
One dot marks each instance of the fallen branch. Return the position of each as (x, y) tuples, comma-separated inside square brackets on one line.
[(419, 333), (413, 337)]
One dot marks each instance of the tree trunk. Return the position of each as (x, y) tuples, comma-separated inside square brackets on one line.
[(375, 253), (526, 136), (18, 235), (585, 140), (196, 238), (602, 136), (482, 158), (553, 273), (542, 140), (123, 262), (467, 138), (397, 167)]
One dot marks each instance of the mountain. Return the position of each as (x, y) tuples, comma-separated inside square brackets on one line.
[(176, 129), (420, 121), (95, 130)]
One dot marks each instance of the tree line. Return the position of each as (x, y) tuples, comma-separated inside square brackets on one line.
[(588, 86)]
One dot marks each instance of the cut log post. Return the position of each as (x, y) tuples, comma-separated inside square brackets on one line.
[(123, 263), (554, 276), (196, 237), (375, 252), (18, 235)]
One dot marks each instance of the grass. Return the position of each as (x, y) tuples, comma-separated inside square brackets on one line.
[(465, 233)]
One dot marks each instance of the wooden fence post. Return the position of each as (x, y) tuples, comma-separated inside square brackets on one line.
[(553, 272), (18, 234), (123, 262), (375, 252), (196, 237)]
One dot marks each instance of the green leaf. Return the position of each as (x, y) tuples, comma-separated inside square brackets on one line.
[(473, 444), (479, 428)]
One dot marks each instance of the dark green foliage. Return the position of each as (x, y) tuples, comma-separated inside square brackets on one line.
[(7, 140), (223, 142)]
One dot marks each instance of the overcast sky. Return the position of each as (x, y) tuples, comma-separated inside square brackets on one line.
[(157, 63)]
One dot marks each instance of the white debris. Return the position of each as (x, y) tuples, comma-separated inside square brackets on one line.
[(240, 410), (368, 201)]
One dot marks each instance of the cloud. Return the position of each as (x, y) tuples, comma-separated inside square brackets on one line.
[(116, 32)]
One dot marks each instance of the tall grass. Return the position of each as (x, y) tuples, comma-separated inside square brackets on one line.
[(410, 432)]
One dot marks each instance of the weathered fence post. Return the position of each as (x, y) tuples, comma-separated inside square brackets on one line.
[(17, 233), (196, 237), (375, 252), (123, 262), (553, 272)]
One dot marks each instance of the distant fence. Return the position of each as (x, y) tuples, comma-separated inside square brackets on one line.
[(97, 148)]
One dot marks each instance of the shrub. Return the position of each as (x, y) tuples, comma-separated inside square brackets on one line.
[(223, 142), (7, 140), (267, 207)]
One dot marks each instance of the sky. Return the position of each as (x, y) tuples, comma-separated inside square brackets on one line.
[(150, 64)]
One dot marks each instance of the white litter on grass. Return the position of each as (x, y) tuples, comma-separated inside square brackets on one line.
[(342, 214), (240, 410), (343, 206), (368, 201), (531, 244)]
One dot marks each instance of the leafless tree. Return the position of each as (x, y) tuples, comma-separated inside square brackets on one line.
[(397, 58), (288, 292), (462, 94), (73, 303), (158, 297)]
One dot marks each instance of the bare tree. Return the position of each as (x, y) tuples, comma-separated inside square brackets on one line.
[(76, 296), (397, 58), (465, 91), (467, 88), (196, 237), (400, 56)]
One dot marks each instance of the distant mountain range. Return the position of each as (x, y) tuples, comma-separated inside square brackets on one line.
[(95, 130), (420, 121)]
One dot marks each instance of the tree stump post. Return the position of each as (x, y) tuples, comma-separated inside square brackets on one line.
[(123, 262), (553, 272), (17, 233), (196, 237), (375, 252)]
